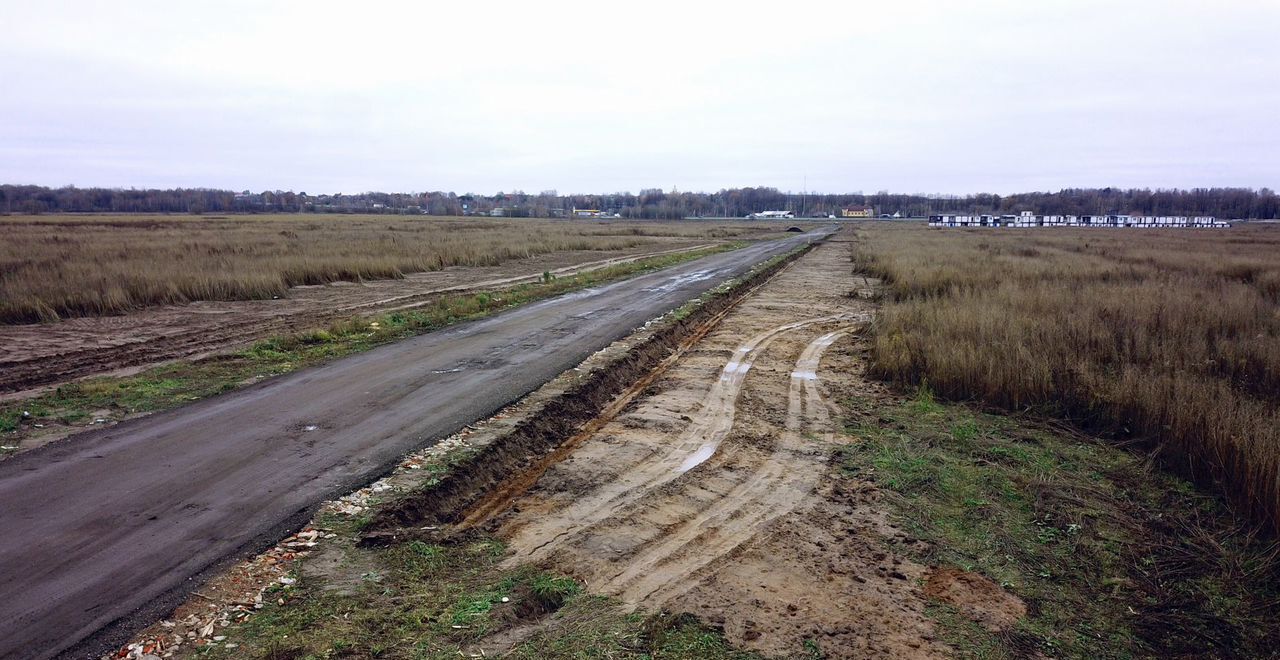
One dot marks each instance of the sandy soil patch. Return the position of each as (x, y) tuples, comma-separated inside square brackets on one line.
[(711, 493)]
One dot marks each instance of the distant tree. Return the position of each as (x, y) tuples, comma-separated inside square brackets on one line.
[(652, 203)]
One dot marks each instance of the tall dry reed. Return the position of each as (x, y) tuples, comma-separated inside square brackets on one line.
[(59, 266), (1171, 338)]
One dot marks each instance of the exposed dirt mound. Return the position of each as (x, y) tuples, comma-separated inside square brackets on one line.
[(978, 597)]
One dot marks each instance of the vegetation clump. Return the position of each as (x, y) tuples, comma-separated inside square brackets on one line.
[(1113, 557), (446, 599), (1168, 340)]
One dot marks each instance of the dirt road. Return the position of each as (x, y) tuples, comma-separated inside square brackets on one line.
[(36, 355), (712, 492), (99, 524)]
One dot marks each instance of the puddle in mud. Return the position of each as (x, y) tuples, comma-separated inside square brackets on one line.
[(732, 368), (697, 458)]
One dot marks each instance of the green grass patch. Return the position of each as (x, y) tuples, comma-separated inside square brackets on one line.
[(422, 600), (1113, 558), (683, 636), (428, 600)]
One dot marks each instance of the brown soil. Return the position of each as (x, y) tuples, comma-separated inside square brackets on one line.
[(36, 355), (711, 492), (975, 595)]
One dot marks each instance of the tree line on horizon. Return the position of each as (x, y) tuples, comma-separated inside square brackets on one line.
[(655, 204)]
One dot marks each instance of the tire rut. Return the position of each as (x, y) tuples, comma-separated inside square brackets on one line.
[(689, 520), (786, 477), (714, 493), (696, 444)]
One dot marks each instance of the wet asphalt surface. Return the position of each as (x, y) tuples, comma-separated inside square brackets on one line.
[(104, 532)]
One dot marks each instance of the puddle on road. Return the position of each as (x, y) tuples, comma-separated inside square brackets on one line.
[(681, 280)]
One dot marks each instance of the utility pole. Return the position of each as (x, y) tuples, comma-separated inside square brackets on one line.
[(804, 193)]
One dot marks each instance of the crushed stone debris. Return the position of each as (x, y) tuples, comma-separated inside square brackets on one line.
[(232, 598)]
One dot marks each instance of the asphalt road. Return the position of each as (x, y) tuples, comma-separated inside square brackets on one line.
[(103, 532)]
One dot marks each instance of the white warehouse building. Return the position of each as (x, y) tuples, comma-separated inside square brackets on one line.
[(1028, 219)]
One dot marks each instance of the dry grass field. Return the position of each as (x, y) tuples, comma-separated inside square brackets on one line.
[(1168, 339), (58, 266)]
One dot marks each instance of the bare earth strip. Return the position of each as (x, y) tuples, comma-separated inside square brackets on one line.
[(710, 494), (697, 443), (45, 354), (665, 569)]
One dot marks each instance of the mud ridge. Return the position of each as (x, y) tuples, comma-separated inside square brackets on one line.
[(521, 450)]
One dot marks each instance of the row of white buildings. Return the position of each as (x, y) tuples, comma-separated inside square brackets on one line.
[(1027, 219)]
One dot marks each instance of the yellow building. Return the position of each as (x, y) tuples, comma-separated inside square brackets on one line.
[(863, 212)]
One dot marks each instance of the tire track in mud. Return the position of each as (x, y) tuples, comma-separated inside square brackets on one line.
[(713, 513), (785, 478), (695, 445), (751, 529)]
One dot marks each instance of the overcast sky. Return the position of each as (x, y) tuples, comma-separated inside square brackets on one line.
[(948, 97)]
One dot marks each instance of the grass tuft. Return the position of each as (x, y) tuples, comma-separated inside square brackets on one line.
[(1112, 557)]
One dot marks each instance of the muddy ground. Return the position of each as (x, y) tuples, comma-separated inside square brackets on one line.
[(712, 493), (36, 355)]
